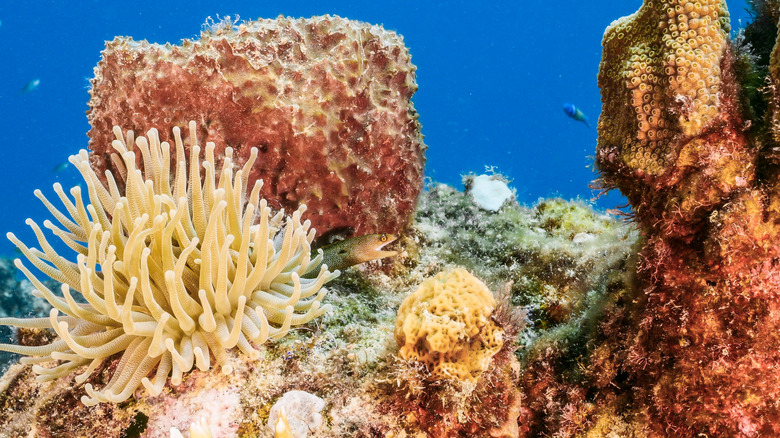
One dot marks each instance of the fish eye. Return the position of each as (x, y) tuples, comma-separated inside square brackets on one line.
[(383, 237)]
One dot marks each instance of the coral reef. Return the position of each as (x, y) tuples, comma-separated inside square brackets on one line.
[(325, 100), (560, 258), (552, 253), (572, 270), (174, 272), (670, 103), (667, 326), (700, 349)]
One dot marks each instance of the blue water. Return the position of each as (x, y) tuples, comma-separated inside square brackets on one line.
[(492, 80)]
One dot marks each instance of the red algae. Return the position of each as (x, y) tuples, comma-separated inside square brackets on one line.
[(703, 354)]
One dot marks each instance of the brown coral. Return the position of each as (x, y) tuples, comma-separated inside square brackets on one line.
[(670, 107), (327, 102), (704, 349)]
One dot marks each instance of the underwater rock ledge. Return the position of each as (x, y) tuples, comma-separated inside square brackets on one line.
[(567, 265)]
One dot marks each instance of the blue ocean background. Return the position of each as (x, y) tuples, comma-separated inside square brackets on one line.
[(492, 77)]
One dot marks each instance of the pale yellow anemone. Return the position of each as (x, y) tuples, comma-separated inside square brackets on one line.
[(175, 269)]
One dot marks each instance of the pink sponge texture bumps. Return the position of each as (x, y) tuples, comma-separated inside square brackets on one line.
[(326, 101)]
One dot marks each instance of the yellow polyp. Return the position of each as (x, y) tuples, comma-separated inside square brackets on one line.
[(683, 41)]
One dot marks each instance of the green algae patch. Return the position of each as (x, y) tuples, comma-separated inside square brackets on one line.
[(554, 252)]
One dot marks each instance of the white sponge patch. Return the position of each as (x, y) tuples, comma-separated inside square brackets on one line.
[(490, 193)]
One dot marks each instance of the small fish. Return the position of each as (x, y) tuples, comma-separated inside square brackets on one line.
[(353, 251), (30, 86), (575, 113), (60, 167)]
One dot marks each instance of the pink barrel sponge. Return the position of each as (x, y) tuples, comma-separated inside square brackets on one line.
[(325, 100)]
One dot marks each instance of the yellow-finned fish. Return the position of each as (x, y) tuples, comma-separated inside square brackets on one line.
[(353, 251)]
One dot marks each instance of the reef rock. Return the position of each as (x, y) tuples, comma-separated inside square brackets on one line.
[(327, 102), (701, 353)]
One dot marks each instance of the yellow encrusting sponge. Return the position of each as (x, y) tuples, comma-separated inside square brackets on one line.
[(176, 267), (446, 325)]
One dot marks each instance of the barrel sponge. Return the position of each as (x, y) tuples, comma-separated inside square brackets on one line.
[(446, 325), (660, 77), (325, 100), (172, 270)]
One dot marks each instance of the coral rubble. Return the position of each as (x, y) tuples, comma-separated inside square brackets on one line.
[(325, 100)]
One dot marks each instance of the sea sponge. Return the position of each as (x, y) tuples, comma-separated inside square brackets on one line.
[(301, 412), (174, 269), (446, 325), (326, 100)]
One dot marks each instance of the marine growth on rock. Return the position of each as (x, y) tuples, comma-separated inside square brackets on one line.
[(702, 355), (670, 110)]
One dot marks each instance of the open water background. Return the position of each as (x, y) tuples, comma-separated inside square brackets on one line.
[(492, 77)]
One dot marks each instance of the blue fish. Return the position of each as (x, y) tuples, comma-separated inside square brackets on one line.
[(575, 113), (60, 167), (30, 86)]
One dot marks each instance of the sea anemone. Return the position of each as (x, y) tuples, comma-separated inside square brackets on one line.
[(174, 268)]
